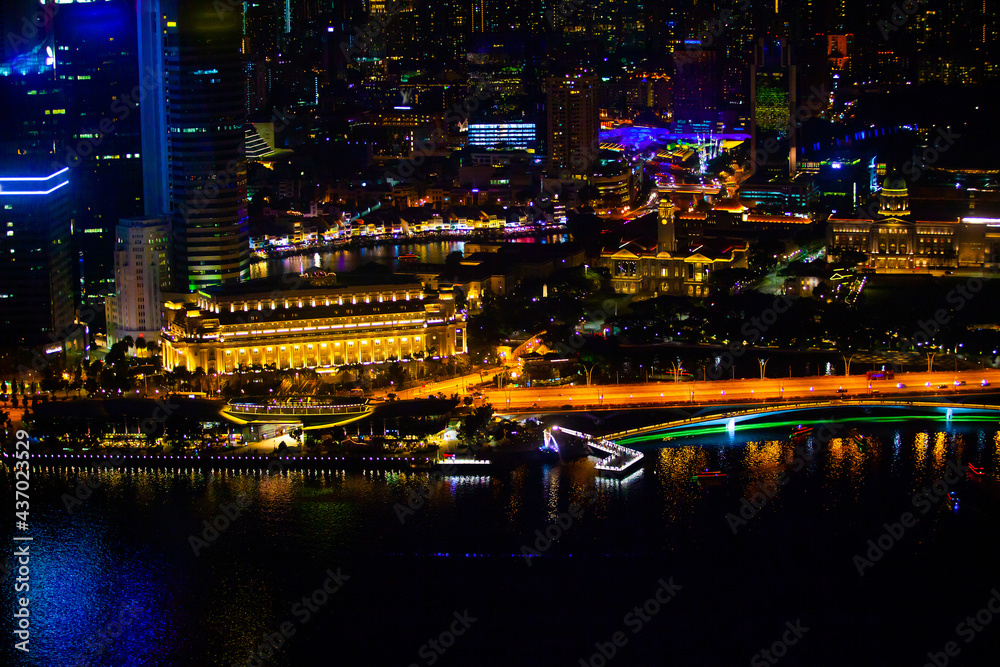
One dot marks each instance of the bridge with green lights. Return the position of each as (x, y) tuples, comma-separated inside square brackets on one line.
[(734, 420)]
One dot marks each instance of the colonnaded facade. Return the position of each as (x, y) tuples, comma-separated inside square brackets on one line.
[(314, 323), (895, 242)]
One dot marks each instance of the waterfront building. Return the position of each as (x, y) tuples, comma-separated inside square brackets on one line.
[(317, 321), (732, 218)]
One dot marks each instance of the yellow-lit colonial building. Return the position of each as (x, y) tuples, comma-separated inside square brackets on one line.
[(894, 242), (313, 322), (647, 268)]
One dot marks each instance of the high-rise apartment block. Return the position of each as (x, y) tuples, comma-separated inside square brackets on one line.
[(573, 122)]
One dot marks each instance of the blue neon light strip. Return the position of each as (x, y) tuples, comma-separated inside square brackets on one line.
[(34, 178), (36, 192)]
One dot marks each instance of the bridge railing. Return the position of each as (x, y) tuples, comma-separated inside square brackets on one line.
[(295, 410), (795, 406)]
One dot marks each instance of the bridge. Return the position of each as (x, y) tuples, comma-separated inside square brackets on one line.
[(530, 345), (733, 417), (311, 412), (619, 460)]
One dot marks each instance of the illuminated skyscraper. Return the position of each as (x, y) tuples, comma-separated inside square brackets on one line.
[(697, 90), (153, 112), (261, 38), (573, 122), (207, 166), (36, 285), (97, 65), (772, 96)]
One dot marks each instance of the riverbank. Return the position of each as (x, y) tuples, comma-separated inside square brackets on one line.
[(217, 461), (360, 242)]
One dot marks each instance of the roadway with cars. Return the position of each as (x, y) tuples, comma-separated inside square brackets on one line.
[(914, 384)]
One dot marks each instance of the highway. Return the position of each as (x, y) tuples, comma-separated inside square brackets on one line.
[(460, 385), (915, 385)]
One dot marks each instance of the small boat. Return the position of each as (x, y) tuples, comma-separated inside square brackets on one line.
[(408, 257), (709, 474), (973, 470), (801, 431)]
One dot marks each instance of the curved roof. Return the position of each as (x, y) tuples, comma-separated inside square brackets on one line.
[(894, 181)]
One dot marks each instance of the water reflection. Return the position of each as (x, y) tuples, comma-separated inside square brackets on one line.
[(127, 545), (344, 260), (675, 467)]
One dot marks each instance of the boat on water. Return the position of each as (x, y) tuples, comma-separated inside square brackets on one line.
[(975, 472), (707, 478), (856, 438), (801, 431)]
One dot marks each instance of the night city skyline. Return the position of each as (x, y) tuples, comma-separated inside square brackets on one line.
[(495, 332)]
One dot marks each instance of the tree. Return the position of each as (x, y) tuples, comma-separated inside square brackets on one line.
[(181, 376), (198, 379), (765, 254), (182, 430), (848, 330), (729, 281), (852, 257), (398, 374), (471, 430), (597, 352), (452, 264), (461, 303)]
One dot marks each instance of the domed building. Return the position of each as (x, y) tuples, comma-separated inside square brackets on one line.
[(895, 241), (894, 198)]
